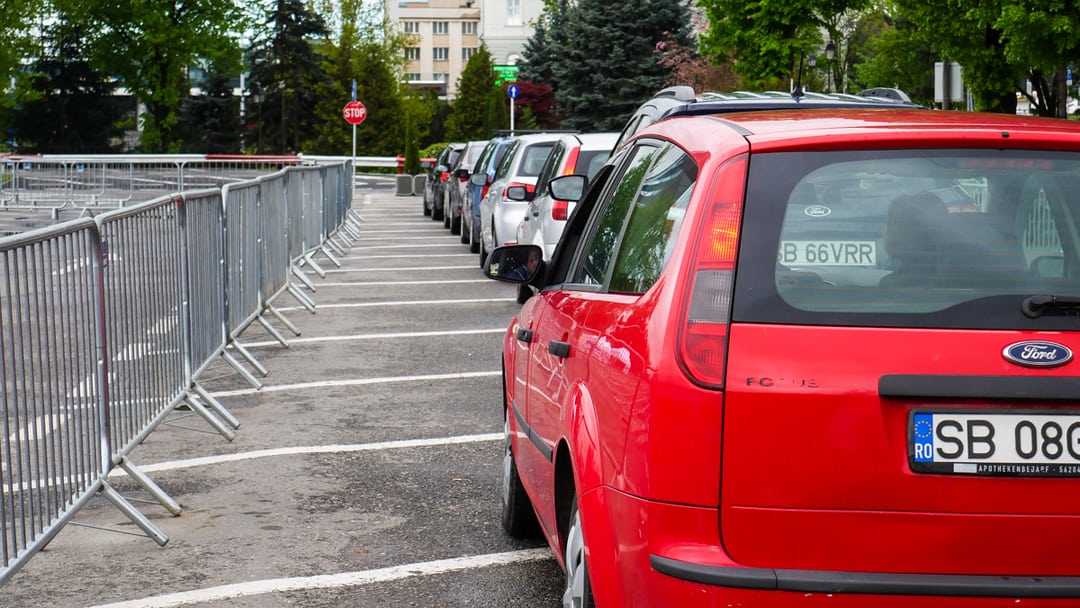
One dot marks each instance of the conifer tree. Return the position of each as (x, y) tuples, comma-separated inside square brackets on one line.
[(609, 63), (473, 114)]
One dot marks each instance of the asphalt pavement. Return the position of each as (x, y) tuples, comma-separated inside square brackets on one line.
[(366, 471)]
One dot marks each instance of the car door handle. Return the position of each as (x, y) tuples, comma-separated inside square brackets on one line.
[(559, 349), (524, 335)]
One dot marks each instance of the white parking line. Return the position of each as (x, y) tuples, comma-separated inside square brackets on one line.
[(329, 581), (403, 303), (393, 283), (389, 336), (357, 382), (311, 449)]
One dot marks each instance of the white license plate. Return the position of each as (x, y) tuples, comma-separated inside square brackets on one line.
[(827, 253), (1026, 443)]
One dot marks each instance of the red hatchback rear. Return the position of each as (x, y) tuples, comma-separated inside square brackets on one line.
[(811, 357)]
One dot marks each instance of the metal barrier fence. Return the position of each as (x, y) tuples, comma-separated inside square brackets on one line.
[(106, 325)]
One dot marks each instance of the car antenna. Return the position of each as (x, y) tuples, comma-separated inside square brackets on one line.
[(797, 92)]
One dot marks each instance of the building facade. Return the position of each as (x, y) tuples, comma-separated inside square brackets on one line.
[(446, 33)]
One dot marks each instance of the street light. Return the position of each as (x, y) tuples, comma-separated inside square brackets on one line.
[(830, 54)]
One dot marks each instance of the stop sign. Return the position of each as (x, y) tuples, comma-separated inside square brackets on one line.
[(354, 112)]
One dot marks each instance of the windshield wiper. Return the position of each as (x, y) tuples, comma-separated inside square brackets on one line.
[(1034, 306)]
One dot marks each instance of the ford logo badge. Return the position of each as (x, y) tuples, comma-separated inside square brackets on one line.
[(817, 211), (1036, 353)]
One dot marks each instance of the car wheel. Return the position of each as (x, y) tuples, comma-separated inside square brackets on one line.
[(462, 230), (474, 240), (578, 593), (524, 293), (518, 518), (483, 254), (446, 218), (455, 225), (424, 202)]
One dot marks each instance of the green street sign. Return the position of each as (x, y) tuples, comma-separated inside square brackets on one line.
[(505, 73)]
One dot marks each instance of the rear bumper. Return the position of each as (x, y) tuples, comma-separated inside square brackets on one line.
[(646, 554), (874, 583)]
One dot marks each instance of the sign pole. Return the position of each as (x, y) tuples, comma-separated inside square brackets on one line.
[(354, 129), (512, 93)]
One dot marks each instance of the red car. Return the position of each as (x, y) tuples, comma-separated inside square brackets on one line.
[(819, 356)]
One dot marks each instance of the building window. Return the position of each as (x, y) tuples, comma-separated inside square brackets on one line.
[(412, 27), (513, 12), (441, 27), (412, 53), (441, 77), (441, 53), (468, 28), (467, 54), (412, 76)]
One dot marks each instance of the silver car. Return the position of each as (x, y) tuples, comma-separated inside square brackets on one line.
[(576, 154), (500, 216)]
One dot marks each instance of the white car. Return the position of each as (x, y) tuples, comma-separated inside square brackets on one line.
[(500, 216), (573, 154)]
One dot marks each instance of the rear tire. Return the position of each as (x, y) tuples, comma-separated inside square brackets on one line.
[(474, 240), (518, 518), (578, 592)]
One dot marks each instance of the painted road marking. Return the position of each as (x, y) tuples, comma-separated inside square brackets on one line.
[(329, 581), (358, 382), (390, 336), (189, 463), (403, 303)]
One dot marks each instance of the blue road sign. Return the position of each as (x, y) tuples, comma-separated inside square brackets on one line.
[(512, 91)]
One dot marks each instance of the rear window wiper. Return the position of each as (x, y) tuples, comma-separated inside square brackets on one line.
[(1035, 306)]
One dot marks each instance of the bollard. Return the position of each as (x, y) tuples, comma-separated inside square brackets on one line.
[(404, 185), (418, 184)]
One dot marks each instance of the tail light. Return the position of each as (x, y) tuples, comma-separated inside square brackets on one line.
[(560, 210), (571, 161), (445, 175), (703, 336)]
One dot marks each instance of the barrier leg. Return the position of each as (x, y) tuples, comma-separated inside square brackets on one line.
[(280, 317), (218, 407), (233, 363), (245, 353), (200, 409), (148, 484), (133, 514)]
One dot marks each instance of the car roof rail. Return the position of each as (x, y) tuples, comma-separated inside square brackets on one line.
[(510, 133)]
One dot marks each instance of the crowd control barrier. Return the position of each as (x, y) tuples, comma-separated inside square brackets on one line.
[(107, 323)]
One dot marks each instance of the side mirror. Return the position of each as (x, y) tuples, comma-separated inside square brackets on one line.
[(441, 169), (520, 264), (568, 187), (462, 173), (479, 179), (518, 193)]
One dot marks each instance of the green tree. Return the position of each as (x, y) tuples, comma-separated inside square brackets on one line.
[(287, 69), (767, 41), (897, 55), (474, 112), (609, 63), (210, 121), (72, 108), (150, 44), (365, 50)]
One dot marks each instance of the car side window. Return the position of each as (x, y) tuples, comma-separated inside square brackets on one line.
[(607, 227), (655, 219), (554, 161)]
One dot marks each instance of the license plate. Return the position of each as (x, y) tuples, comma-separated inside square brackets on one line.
[(1026, 444), (827, 253)]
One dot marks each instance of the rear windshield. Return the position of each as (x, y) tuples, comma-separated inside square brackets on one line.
[(590, 161), (533, 157), (928, 238)]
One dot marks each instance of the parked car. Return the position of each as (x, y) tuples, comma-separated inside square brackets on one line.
[(545, 216), (454, 190), (437, 176), (573, 154), (809, 357), (499, 216), (476, 190)]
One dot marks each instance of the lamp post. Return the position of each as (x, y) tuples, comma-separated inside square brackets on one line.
[(830, 54)]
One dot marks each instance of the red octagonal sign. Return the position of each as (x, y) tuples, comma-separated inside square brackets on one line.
[(354, 112)]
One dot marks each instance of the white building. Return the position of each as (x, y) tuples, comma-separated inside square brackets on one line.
[(446, 33)]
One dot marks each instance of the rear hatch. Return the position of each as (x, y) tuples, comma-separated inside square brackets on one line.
[(901, 393)]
